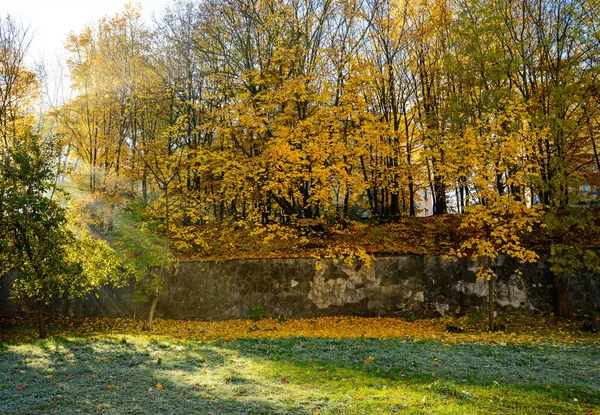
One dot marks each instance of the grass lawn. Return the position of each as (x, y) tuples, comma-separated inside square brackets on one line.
[(110, 371)]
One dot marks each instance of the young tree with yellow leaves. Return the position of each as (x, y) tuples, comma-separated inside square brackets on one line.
[(497, 228)]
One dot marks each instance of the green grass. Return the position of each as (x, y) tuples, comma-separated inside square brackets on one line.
[(295, 376)]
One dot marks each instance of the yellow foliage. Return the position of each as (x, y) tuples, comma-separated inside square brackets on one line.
[(498, 228), (519, 329)]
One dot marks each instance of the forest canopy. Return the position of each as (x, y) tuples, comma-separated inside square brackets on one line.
[(264, 128), (223, 120)]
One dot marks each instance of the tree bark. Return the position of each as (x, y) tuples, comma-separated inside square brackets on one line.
[(134, 307), (153, 308), (40, 321), (595, 151), (162, 265), (440, 206), (491, 300), (157, 289), (560, 295)]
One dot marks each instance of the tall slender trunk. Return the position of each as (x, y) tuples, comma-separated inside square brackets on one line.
[(596, 153), (144, 187), (134, 305), (346, 204), (560, 295), (394, 205), (491, 301), (440, 207), (40, 321), (411, 197), (162, 265), (155, 299)]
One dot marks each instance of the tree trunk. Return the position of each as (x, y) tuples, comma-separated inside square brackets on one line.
[(560, 295), (491, 300), (411, 197), (394, 206), (157, 289), (144, 187), (440, 207), (153, 308), (134, 307), (162, 265), (595, 152), (40, 321)]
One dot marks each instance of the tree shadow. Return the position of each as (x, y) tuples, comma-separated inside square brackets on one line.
[(125, 374), (553, 372)]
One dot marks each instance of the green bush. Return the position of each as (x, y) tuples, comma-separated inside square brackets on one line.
[(257, 312)]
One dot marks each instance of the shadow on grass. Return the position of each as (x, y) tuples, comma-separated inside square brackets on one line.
[(132, 374), (545, 373)]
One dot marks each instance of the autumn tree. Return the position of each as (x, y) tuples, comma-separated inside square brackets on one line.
[(328, 111), (497, 228), (18, 84), (392, 93), (47, 254), (49, 258), (163, 159)]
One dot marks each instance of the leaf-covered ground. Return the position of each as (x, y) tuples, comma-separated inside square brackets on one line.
[(407, 236), (326, 366), (513, 328)]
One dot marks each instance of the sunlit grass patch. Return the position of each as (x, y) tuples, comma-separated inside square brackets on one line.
[(140, 373)]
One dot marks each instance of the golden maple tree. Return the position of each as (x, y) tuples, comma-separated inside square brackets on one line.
[(292, 122)]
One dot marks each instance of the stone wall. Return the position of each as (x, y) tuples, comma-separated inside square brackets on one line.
[(393, 286)]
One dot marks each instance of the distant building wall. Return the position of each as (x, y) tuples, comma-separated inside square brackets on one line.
[(423, 202)]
